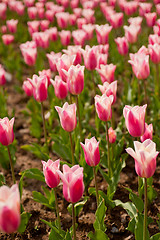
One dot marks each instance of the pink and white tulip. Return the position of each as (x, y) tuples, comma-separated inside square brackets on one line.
[(50, 172)]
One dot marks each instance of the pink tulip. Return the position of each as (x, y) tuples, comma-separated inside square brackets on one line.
[(112, 135), (62, 19), (67, 115), (33, 26), (19, 8), (6, 131), (106, 72), (131, 32), (53, 58), (72, 19), (47, 73), (29, 3), (74, 3), (144, 8), (154, 38), (64, 62), (9, 209), (91, 151), (158, 9), (135, 119), (103, 48), (4, 29), (7, 39), (12, 25), (41, 39), (44, 24), (130, 7), (150, 18), (74, 50), (116, 20), (29, 52), (122, 45), (88, 28), (79, 37), (40, 86), (90, 57), (88, 14), (77, 12), (32, 12), (53, 33), (27, 87), (102, 32), (81, 22), (2, 76), (103, 107), (147, 133), (145, 157), (109, 89), (101, 59), (154, 51), (65, 37), (60, 87), (135, 21), (140, 65), (73, 186), (49, 14), (75, 79), (50, 172), (3, 9)]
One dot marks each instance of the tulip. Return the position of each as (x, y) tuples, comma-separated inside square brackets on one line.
[(88, 28), (49, 14), (91, 151), (101, 59), (107, 72), (33, 26), (40, 86), (27, 87), (79, 37), (67, 115), (131, 32), (150, 18), (12, 25), (116, 20), (72, 19), (154, 51), (74, 50), (60, 87), (130, 7), (9, 209), (112, 135), (144, 8), (103, 107), (135, 119), (109, 89), (47, 73), (4, 29), (147, 133), (50, 172), (135, 21), (41, 39), (102, 32), (65, 37), (44, 25), (7, 39), (122, 45), (81, 22), (153, 38), (53, 33), (62, 19), (75, 79), (90, 57), (29, 52), (145, 157), (2, 76), (3, 9), (32, 12), (140, 65), (73, 186), (53, 58)]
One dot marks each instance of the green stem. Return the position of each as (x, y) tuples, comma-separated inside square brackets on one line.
[(73, 222), (157, 80), (79, 118), (44, 124), (57, 209), (145, 210), (96, 187), (145, 91), (94, 83), (113, 119), (109, 162), (11, 165), (139, 95), (72, 151)]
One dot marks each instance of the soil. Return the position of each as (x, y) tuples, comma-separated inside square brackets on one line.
[(116, 219)]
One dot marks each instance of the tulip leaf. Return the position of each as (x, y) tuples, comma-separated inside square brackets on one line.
[(139, 227), (34, 173), (39, 197), (25, 216), (2, 180), (128, 206), (100, 215), (98, 235), (62, 151), (155, 237), (37, 150), (77, 206), (136, 200)]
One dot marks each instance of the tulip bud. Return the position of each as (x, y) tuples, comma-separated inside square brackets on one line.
[(112, 135), (50, 172)]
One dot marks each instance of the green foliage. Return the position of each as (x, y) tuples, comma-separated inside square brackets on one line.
[(4, 158), (98, 235), (48, 200), (36, 149), (100, 216), (2, 180), (77, 206), (24, 221)]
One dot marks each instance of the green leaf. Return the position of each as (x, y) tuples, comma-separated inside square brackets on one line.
[(39, 197), (155, 237), (100, 215), (131, 225), (62, 151), (139, 227), (55, 235), (128, 206), (136, 200), (34, 173), (98, 235), (37, 150), (2, 180), (78, 206), (25, 216)]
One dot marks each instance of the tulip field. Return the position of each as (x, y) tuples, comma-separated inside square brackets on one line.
[(79, 119)]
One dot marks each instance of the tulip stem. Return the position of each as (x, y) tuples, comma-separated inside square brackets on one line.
[(96, 187), (157, 80), (72, 151), (79, 118), (44, 124), (145, 91), (113, 119), (11, 165), (94, 83), (73, 222), (139, 95), (57, 209), (109, 162), (145, 210)]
